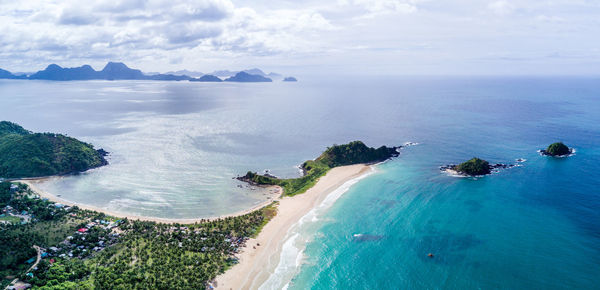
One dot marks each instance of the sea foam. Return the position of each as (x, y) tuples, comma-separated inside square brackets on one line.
[(292, 250)]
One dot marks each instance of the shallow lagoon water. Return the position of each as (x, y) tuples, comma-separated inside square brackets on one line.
[(176, 146)]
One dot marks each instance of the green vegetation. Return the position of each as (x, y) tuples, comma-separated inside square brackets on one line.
[(46, 225), (25, 154), (5, 194), (338, 155), (12, 128), (558, 149), (10, 219), (474, 166), (119, 254)]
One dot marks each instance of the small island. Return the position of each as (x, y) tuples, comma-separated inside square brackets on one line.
[(27, 154), (474, 167), (338, 155), (290, 79), (557, 149), (207, 78)]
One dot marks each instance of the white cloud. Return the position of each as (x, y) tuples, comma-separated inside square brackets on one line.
[(159, 34), (501, 7), (549, 19)]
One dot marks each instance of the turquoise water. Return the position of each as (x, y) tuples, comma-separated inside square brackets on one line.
[(175, 147), (536, 226)]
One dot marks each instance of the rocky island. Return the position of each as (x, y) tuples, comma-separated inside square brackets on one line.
[(474, 167), (557, 149), (355, 152), (290, 79), (27, 154)]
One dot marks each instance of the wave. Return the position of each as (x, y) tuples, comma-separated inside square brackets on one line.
[(292, 250)]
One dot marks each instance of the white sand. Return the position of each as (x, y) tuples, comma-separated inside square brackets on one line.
[(256, 263)]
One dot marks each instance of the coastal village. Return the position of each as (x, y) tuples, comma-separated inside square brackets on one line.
[(92, 235), (61, 237)]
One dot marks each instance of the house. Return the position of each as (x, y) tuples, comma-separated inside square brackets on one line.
[(19, 285), (82, 230), (13, 187)]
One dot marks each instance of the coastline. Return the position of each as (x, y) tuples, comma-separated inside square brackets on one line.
[(32, 183), (261, 255)]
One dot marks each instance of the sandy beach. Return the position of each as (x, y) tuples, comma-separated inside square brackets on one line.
[(256, 263), (276, 193)]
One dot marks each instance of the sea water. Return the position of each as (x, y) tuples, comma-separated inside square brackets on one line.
[(175, 147)]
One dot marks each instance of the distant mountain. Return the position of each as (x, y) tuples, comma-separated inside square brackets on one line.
[(224, 73), (256, 71), (168, 77), (290, 79), (112, 71), (207, 78), (194, 74), (252, 71), (4, 74), (56, 73), (245, 77), (120, 71), (274, 75)]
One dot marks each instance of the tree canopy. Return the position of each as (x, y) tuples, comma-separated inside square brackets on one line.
[(26, 154), (558, 149), (475, 166)]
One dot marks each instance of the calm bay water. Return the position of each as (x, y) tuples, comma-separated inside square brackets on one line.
[(176, 145)]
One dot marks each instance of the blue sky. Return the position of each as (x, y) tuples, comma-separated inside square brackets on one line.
[(343, 36)]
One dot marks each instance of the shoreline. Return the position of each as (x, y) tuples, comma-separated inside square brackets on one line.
[(32, 183), (260, 257)]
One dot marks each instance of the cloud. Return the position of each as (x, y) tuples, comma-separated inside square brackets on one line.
[(160, 34), (76, 17), (501, 7), (549, 19), (373, 8)]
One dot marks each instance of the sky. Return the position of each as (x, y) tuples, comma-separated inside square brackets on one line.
[(380, 37)]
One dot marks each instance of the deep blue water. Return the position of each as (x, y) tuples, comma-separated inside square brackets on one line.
[(176, 146)]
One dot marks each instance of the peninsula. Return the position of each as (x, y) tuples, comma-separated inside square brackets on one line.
[(355, 152), (27, 154)]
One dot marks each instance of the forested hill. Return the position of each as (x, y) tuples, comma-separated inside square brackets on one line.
[(27, 154), (338, 155), (354, 153)]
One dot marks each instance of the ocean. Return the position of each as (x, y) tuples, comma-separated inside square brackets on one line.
[(175, 147)]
